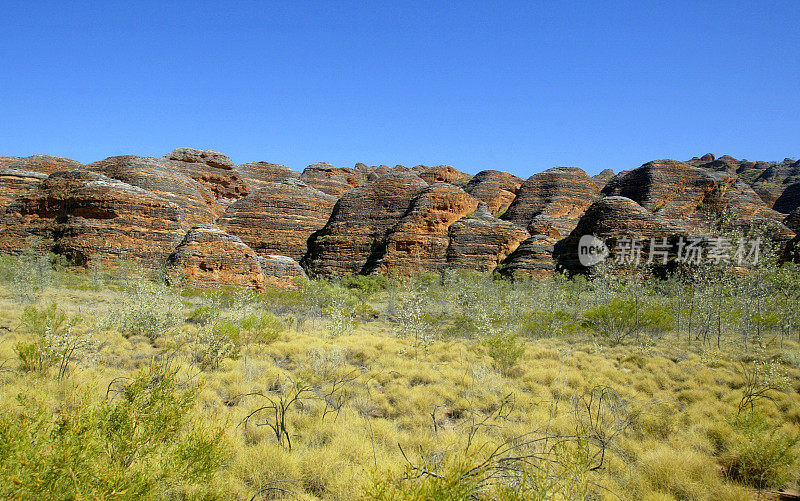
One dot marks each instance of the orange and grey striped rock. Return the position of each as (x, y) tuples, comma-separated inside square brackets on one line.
[(551, 202), (442, 174), (259, 174), (533, 257), (46, 164), (332, 180), (197, 203), (498, 189), (481, 241), (355, 236), (278, 218), (419, 241), (209, 257), (212, 169), (82, 214), (602, 179), (13, 182)]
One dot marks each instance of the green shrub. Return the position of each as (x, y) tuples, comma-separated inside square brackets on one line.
[(505, 350), (52, 340), (621, 319), (148, 309), (759, 454), (140, 443)]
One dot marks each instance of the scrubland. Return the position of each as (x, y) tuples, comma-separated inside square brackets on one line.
[(453, 386)]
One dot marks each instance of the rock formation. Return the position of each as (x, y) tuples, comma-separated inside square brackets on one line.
[(533, 257), (256, 175), (608, 219), (602, 179), (46, 164), (278, 218), (281, 272), (419, 241), (212, 169), (498, 189), (550, 202), (332, 180), (209, 257), (13, 182), (81, 214), (442, 174), (197, 203), (355, 236), (481, 241)]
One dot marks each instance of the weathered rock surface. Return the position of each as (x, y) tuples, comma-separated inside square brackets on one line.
[(6, 161), (332, 180), (281, 272), (197, 203), (534, 257), (46, 164), (209, 257), (81, 214), (481, 241), (608, 219), (670, 188), (789, 199), (419, 241), (279, 218), (355, 236), (256, 175), (792, 221), (498, 189), (442, 174), (550, 202), (13, 182), (602, 179), (212, 169)]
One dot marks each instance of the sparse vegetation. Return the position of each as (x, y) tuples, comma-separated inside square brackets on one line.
[(452, 386)]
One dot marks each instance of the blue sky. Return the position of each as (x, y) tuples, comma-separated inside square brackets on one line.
[(515, 86)]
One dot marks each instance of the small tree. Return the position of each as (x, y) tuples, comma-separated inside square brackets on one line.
[(622, 319)]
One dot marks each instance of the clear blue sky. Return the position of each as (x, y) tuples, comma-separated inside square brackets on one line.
[(517, 86)]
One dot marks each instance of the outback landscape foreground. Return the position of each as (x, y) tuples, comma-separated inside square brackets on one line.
[(183, 327)]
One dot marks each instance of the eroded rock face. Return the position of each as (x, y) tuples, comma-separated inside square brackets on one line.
[(419, 241), (279, 218), (209, 257), (550, 202), (259, 174), (355, 236), (211, 158), (197, 203), (13, 182), (332, 180), (498, 189), (609, 219), (481, 241), (792, 221), (670, 188), (46, 164), (789, 199), (602, 179), (212, 169), (82, 214), (281, 272), (442, 174), (533, 257)]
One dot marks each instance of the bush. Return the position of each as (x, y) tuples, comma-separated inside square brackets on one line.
[(759, 454), (53, 340), (140, 443), (149, 310), (622, 319), (505, 350)]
